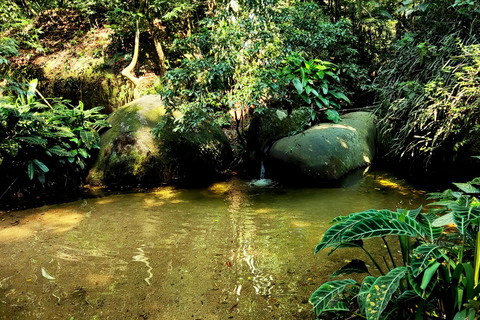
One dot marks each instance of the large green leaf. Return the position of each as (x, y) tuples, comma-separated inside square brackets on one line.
[(41, 165), (443, 220), (467, 188), (363, 293), (383, 226), (322, 297), (416, 284), (465, 210), (332, 115), (298, 85), (369, 224), (333, 236), (423, 256), (381, 292), (432, 232), (354, 266), (339, 95)]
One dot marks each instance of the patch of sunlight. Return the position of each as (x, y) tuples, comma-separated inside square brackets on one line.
[(152, 202), (263, 210), (165, 192), (328, 126), (343, 143), (105, 201), (300, 224), (219, 188), (55, 221), (99, 280), (366, 158)]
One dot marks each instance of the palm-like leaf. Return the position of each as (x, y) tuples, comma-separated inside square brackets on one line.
[(322, 297), (381, 292)]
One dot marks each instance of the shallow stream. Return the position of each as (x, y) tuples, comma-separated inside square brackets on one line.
[(229, 251)]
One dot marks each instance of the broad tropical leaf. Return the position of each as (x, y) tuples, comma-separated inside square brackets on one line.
[(381, 292), (333, 236), (432, 232), (364, 289), (382, 226), (416, 284), (369, 224), (464, 211), (322, 297), (423, 257), (443, 220), (467, 187), (354, 266)]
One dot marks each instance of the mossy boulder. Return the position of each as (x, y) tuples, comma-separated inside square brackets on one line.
[(324, 152), (131, 156), (268, 126)]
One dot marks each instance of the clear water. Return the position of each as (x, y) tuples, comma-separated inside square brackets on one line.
[(230, 251)]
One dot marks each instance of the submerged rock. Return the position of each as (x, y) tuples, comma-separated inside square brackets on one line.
[(324, 152), (130, 155)]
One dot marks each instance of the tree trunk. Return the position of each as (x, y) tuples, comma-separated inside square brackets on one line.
[(128, 71), (160, 53)]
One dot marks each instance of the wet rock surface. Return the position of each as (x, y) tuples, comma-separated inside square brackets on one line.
[(324, 152)]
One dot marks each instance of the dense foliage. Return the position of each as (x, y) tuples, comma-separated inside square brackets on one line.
[(428, 92), (437, 276), (255, 58)]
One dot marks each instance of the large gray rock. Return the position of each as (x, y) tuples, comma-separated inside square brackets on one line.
[(324, 152), (130, 155)]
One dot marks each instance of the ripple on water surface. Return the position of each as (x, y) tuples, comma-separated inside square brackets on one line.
[(231, 250)]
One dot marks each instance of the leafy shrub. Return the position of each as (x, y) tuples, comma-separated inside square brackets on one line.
[(317, 84), (436, 279), (44, 146), (236, 61)]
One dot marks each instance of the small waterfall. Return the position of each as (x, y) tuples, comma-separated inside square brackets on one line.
[(262, 171), (262, 182)]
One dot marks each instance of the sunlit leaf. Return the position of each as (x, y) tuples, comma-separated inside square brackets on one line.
[(423, 256), (46, 275), (363, 293), (381, 292)]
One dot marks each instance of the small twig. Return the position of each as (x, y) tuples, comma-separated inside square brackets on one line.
[(8, 187), (41, 96)]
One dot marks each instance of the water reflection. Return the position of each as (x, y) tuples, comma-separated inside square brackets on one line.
[(230, 250)]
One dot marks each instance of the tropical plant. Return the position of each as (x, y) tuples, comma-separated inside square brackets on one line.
[(316, 85), (44, 144), (434, 279)]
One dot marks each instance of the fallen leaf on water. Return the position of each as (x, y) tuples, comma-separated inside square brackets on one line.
[(46, 275)]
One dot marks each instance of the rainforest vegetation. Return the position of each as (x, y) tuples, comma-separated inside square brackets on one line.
[(414, 64)]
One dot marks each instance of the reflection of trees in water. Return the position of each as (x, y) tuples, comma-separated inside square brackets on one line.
[(245, 234)]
